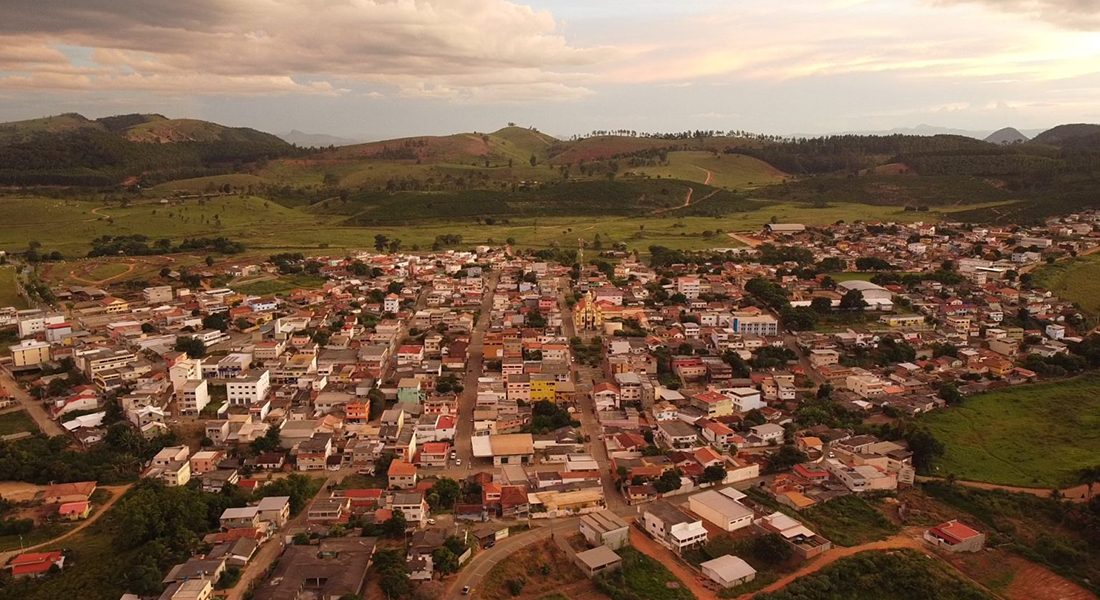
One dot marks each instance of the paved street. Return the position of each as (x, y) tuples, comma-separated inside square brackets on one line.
[(475, 366)]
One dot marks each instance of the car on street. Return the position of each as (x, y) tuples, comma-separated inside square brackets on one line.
[(466, 590)]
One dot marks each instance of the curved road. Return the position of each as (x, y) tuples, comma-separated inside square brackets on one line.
[(1077, 493), (117, 491)]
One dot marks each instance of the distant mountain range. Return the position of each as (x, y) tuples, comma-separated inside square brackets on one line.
[(317, 140), (927, 130)]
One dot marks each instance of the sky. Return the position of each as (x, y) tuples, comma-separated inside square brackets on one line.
[(371, 69)]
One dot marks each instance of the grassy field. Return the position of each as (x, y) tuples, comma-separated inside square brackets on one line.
[(898, 575), (1076, 280), (280, 285), (264, 226), (107, 270), (9, 291), (16, 422), (734, 171), (1032, 436), (849, 521)]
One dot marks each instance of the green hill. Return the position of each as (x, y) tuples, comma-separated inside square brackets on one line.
[(55, 125), (1057, 136)]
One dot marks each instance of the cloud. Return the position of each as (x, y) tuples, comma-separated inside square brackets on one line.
[(483, 50), (1083, 15)]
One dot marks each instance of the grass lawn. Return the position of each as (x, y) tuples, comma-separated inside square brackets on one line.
[(9, 294), (1029, 435), (16, 422), (1076, 280), (849, 521)]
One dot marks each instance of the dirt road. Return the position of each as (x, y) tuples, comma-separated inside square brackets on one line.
[(751, 242), (117, 491), (33, 407), (644, 544), (1077, 493)]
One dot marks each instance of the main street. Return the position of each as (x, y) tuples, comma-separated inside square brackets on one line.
[(475, 366), (585, 378)]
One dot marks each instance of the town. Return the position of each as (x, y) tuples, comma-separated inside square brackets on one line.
[(724, 420)]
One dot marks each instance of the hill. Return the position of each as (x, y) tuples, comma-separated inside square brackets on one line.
[(1059, 135), (55, 125), (71, 150), (1007, 135), (167, 131)]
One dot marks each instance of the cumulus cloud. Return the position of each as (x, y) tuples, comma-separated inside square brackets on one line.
[(482, 50), (1081, 15)]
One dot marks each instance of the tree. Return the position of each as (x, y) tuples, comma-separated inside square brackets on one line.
[(219, 321), (268, 442), (668, 481), (532, 160), (714, 474), (1089, 476), (444, 560), (786, 457), (448, 492), (821, 304), (209, 261), (395, 526), (853, 300), (192, 346), (380, 242)]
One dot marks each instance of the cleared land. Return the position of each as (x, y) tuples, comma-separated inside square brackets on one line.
[(1076, 280), (1031, 436), (734, 171), (16, 422), (9, 290)]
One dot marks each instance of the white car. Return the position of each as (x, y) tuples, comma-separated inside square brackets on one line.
[(431, 521), (458, 462)]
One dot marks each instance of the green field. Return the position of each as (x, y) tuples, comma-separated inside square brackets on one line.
[(107, 270), (280, 285), (69, 225), (16, 422), (732, 171), (9, 290), (1030, 435), (1076, 280)]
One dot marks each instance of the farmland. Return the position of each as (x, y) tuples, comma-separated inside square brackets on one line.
[(1032, 436), (1076, 280)]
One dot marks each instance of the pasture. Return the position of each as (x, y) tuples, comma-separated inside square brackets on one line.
[(732, 171), (1037, 435), (1076, 280)]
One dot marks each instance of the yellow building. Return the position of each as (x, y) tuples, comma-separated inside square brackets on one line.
[(543, 387)]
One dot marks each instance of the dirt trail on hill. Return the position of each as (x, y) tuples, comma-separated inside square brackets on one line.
[(908, 538), (1077, 493)]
